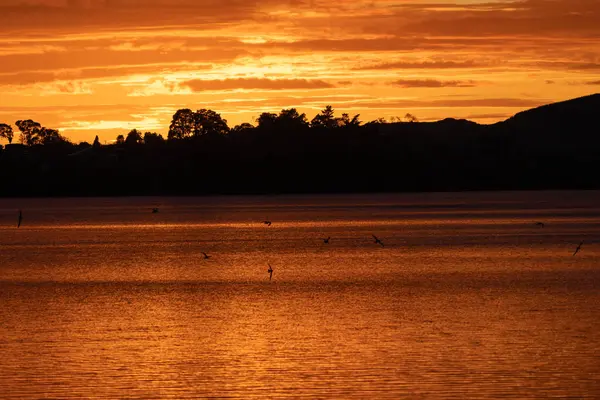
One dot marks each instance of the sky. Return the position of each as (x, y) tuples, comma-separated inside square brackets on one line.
[(104, 67)]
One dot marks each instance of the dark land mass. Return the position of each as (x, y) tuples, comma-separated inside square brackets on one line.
[(556, 146)]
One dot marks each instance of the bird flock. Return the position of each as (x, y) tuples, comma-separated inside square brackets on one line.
[(326, 240)]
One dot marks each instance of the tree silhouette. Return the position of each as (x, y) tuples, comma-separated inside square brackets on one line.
[(291, 119), (204, 122), (209, 123), (266, 120), (377, 121), (411, 118), (134, 137), (325, 119), (120, 140), (50, 136), (242, 127), (29, 131), (96, 142), (347, 121), (182, 124), (6, 132), (153, 138)]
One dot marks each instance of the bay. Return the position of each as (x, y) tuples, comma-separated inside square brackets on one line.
[(468, 298)]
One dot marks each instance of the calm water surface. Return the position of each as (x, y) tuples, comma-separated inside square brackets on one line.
[(102, 299)]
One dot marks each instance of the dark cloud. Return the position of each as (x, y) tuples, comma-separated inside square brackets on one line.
[(44, 16), (475, 20), (199, 85), (82, 59), (449, 103), (421, 65), (431, 83), (32, 77), (509, 18), (569, 65)]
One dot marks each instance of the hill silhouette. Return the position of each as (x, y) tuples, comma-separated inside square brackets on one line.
[(555, 146), (569, 113)]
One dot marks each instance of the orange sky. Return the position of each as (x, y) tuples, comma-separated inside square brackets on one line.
[(105, 67)]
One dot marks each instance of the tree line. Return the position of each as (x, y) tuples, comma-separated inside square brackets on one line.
[(286, 152), (204, 122), (32, 133)]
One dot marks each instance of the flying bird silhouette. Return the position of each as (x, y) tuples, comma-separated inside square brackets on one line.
[(578, 248), (377, 241), (20, 218), (326, 241), (154, 210), (540, 224), (270, 271), (267, 222), (206, 256)]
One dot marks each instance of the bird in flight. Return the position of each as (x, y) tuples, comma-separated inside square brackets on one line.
[(326, 241), (377, 240), (540, 224), (578, 248), (154, 210), (270, 271), (267, 222), (20, 218), (206, 256)]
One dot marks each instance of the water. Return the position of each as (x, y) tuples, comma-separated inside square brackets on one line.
[(102, 299)]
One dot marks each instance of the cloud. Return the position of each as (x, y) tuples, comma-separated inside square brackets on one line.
[(200, 85), (448, 103), (420, 65), (83, 58), (98, 73), (431, 83), (569, 65), (593, 83), (521, 17), (45, 16), (473, 19), (72, 87)]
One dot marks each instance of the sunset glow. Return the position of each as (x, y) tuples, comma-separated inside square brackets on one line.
[(104, 67)]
